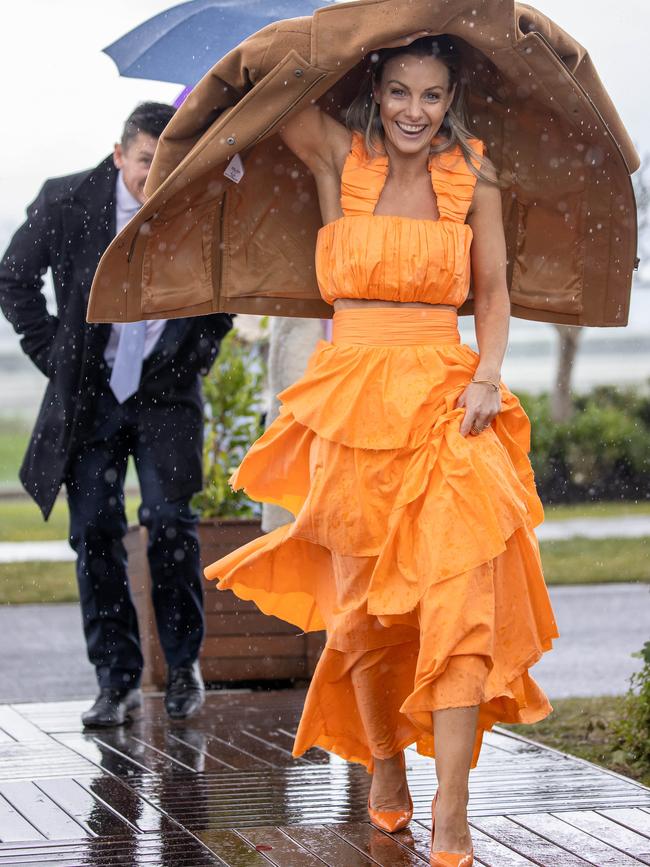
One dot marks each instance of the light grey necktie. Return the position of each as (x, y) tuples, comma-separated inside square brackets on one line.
[(127, 367)]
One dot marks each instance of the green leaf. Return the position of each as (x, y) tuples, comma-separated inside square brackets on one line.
[(233, 392)]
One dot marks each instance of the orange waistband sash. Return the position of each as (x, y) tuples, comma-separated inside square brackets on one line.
[(390, 326)]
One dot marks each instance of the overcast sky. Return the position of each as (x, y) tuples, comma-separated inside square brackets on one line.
[(64, 103)]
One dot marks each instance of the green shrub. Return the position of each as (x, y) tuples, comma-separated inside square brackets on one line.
[(633, 728), (603, 442), (233, 421), (547, 447), (602, 452)]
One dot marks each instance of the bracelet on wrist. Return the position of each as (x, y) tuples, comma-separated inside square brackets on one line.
[(493, 385)]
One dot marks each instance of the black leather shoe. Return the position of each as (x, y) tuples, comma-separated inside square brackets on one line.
[(185, 691), (113, 707)]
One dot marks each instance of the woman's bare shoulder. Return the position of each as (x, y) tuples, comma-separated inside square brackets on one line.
[(487, 193), (489, 172)]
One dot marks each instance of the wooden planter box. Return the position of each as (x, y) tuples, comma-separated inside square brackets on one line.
[(241, 643)]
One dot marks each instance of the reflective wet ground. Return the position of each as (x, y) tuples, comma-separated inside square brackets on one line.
[(224, 789)]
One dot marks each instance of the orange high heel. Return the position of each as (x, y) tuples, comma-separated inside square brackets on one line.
[(391, 820), (447, 859)]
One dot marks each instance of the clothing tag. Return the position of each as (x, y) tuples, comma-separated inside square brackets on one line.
[(235, 169)]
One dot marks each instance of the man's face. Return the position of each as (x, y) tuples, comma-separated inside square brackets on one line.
[(134, 161)]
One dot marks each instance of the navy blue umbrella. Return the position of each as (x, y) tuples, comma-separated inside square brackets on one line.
[(181, 44)]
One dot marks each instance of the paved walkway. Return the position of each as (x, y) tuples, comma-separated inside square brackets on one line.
[(623, 527), (600, 625), (36, 552), (43, 654), (44, 657)]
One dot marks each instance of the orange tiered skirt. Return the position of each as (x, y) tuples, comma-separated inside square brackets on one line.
[(412, 545)]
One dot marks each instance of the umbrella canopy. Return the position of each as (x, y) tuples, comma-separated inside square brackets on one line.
[(181, 44)]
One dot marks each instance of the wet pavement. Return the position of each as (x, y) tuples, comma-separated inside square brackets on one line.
[(600, 626), (224, 789), (622, 527), (44, 655), (57, 551)]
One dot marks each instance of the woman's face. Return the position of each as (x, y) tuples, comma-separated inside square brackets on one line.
[(413, 96)]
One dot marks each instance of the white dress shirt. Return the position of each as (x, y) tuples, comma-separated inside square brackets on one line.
[(126, 206)]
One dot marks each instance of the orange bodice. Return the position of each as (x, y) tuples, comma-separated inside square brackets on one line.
[(386, 258)]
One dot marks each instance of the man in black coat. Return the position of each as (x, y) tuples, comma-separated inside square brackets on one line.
[(115, 391)]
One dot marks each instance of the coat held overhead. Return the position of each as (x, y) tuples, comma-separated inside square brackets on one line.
[(203, 243)]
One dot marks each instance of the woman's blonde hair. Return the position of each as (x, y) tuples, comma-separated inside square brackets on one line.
[(363, 113)]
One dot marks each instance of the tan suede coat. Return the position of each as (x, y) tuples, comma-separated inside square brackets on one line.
[(203, 243)]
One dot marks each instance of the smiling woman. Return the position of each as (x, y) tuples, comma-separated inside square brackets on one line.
[(433, 99), (400, 453)]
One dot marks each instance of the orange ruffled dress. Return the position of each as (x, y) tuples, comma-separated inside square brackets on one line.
[(412, 545)]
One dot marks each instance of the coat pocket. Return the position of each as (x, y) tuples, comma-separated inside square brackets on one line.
[(178, 261), (549, 262)]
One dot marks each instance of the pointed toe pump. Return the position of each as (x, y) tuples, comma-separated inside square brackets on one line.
[(391, 820), (447, 859), (452, 859)]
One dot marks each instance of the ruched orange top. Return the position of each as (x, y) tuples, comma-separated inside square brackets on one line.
[(385, 258)]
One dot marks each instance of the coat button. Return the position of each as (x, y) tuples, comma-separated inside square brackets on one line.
[(231, 140)]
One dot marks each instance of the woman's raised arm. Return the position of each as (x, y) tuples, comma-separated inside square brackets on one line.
[(321, 142)]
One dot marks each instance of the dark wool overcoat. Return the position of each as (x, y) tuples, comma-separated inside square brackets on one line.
[(68, 227)]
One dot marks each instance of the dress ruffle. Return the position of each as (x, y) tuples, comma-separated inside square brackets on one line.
[(406, 533)]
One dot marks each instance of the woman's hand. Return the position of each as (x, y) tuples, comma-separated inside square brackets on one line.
[(481, 403)]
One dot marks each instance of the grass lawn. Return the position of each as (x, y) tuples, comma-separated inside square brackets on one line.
[(614, 509), (574, 561), (596, 561), (571, 561), (583, 728), (14, 436), (21, 520), (37, 582)]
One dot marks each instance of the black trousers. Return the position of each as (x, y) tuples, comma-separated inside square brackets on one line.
[(95, 488)]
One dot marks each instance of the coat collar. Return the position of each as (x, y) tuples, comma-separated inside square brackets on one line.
[(89, 208), (96, 195), (168, 344), (96, 186)]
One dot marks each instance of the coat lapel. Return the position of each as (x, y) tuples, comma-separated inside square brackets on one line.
[(168, 344), (89, 218)]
